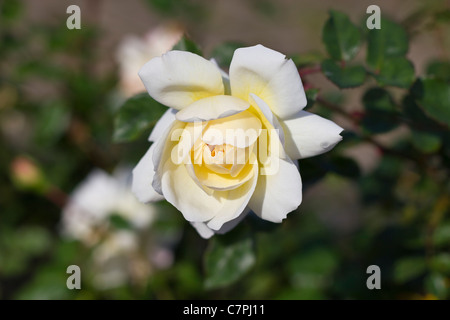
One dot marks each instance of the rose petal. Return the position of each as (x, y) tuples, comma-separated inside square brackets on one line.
[(258, 102), (225, 77), (236, 202), (203, 230), (240, 130), (196, 205), (178, 78), (163, 149), (308, 135), (206, 232), (217, 181), (278, 193), (163, 123), (212, 108), (142, 178), (269, 75)]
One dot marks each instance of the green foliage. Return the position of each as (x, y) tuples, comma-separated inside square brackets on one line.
[(435, 284), (10, 9), (344, 76), (228, 258), (388, 42), (344, 166), (52, 122), (396, 71), (223, 53), (409, 268), (341, 37), (381, 115), (433, 95), (182, 8), (426, 142), (439, 70), (311, 96), (138, 114), (386, 52), (306, 59), (186, 44)]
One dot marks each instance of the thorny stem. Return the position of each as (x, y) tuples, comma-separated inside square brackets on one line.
[(309, 70)]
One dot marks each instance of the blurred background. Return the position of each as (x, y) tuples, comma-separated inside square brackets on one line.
[(381, 197)]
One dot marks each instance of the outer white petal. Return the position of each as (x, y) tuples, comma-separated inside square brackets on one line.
[(178, 78), (308, 135), (206, 232), (163, 123), (269, 75), (203, 230), (233, 223), (142, 178), (212, 108), (278, 194)]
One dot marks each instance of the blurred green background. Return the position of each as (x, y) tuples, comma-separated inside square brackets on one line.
[(381, 197)]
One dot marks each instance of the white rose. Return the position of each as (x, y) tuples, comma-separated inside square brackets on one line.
[(134, 51), (227, 144), (98, 197)]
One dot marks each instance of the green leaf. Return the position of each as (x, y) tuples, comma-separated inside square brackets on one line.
[(51, 122), (380, 113), (228, 258), (441, 236), (341, 37), (439, 70), (310, 273), (435, 284), (33, 240), (344, 166), (395, 71), (442, 16), (441, 263), (138, 114), (408, 268), (426, 142), (186, 44), (378, 99), (311, 96), (224, 52), (433, 95), (119, 222), (305, 59), (344, 76), (10, 9), (322, 261), (389, 41), (416, 115)]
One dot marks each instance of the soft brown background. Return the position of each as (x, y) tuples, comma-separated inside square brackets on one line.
[(285, 25)]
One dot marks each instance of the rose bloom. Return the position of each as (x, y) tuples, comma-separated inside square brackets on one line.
[(135, 51), (229, 144), (92, 203), (118, 255)]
